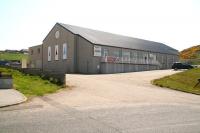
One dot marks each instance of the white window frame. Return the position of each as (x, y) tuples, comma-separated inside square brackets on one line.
[(65, 51), (134, 54), (152, 56), (49, 53), (105, 52), (116, 53), (56, 49), (97, 50), (126, 56)]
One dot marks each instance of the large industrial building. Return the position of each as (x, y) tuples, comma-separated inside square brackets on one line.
[(73, 49)]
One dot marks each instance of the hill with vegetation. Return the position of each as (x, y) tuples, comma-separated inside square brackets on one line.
[(191, 53), (12, 56)]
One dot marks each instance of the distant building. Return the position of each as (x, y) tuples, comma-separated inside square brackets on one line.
[(11, 51), (73, 49), (24, 51), (35, 55)]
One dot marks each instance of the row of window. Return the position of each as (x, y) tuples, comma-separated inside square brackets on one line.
[(102, 52), (56, 52)]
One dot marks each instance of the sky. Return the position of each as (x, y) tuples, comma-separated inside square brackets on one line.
[(176, 23)]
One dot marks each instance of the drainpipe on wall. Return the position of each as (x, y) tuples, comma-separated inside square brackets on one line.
[(75, 53), (42, 55)]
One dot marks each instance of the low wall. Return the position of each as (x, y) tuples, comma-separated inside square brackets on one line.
[(6, 82), (56, 75), (121, 68), (31, 71), (53, 76)]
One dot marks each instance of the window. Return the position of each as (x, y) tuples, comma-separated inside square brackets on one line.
[(31, 52), (145, 57), (140, 55), (152, 57), (49, 53), (105, 52), (38, 50), (126, 56), (162, 57), (57, 34), (64, 51), (134, 54), (97, 50), (56, 52), (116, 54)]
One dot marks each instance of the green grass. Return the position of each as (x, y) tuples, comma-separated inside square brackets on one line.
[(12, 56), (30, 85), (183, 81), (197, 62)]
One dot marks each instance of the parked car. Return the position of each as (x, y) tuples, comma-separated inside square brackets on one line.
[(179, 65), (3, 63)]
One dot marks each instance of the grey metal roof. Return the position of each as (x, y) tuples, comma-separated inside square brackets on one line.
[(109, 39)]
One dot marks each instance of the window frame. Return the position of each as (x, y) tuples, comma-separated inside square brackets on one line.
[(49, 53), (116, 53), (65, 48), (56, 55), (97, 51), (105, 50), (32, 51), (125, 58)]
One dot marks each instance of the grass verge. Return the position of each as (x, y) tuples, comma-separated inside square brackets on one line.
[(183, 81), (30, 85)]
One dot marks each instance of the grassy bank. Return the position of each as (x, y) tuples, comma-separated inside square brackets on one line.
[(183, 81), (12, 56), (31, 85)]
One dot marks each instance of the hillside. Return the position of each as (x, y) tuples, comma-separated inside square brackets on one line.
[(12, 56), (183, 81), (191, 53)]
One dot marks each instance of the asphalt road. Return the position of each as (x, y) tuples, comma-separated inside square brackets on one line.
[(133, 106)]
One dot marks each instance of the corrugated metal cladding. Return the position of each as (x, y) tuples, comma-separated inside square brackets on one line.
[(72, 49), (109, 39)]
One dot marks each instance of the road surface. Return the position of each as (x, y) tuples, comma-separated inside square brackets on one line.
[(110, 103)]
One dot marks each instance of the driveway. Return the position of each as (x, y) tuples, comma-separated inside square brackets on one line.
[(124, 88), (122, 103)]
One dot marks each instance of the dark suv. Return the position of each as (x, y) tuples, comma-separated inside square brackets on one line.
[(179, 65)]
